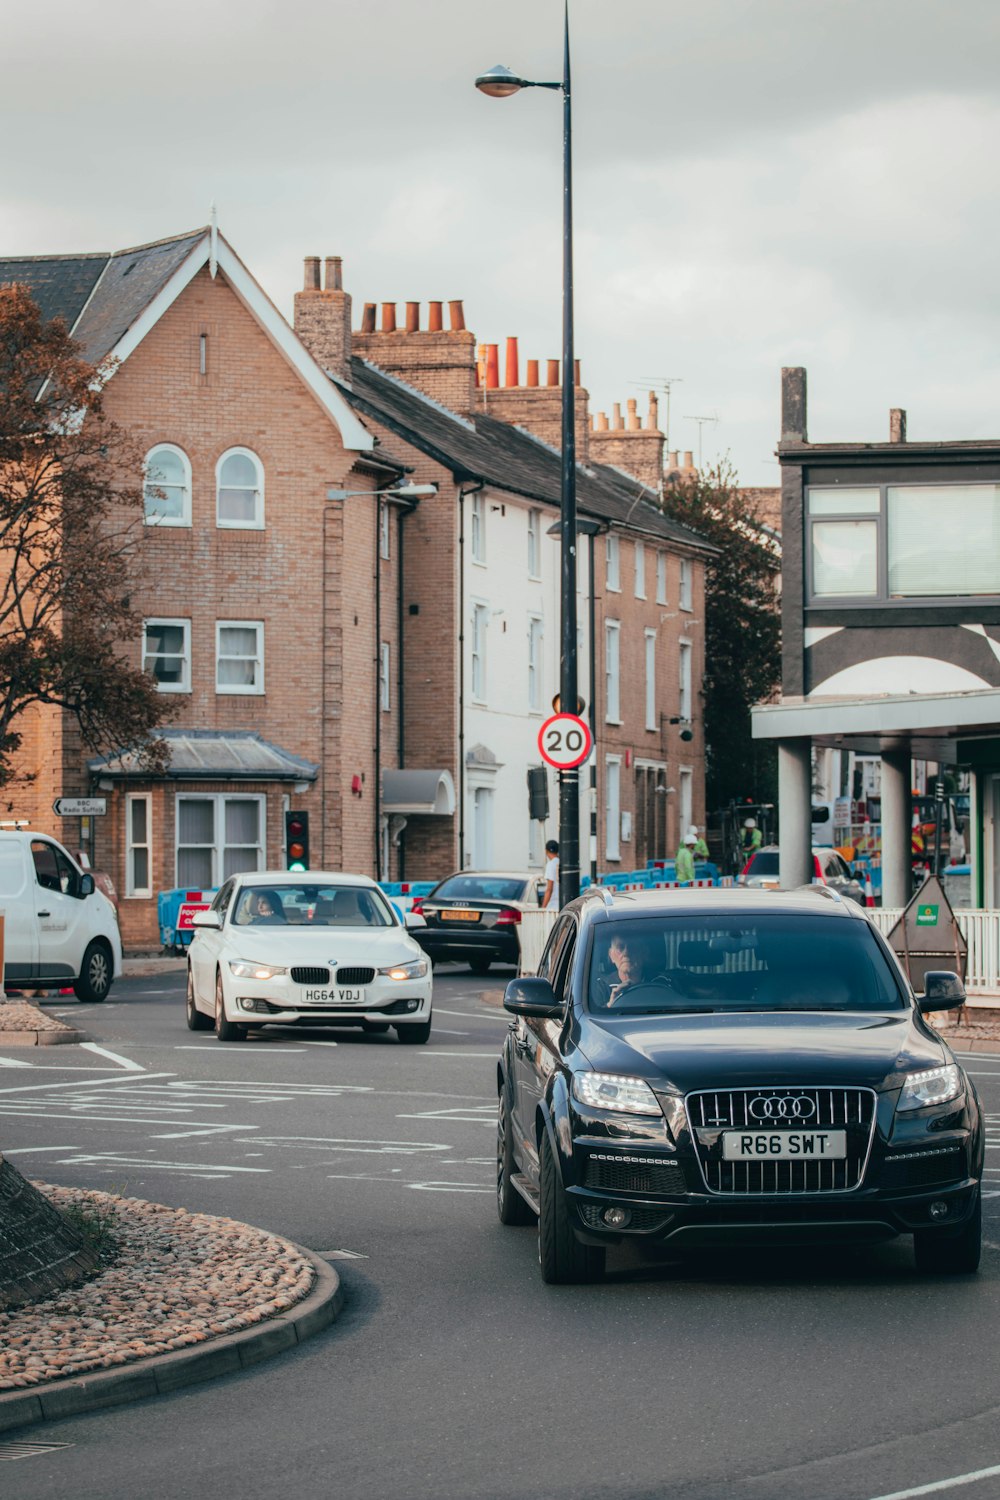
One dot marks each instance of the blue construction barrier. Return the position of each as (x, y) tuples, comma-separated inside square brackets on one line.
[(168, 908)]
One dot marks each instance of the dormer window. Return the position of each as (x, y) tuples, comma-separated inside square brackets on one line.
[(239, 477), (167, 486)]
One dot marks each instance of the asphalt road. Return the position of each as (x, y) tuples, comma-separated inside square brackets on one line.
[(454, 1373)]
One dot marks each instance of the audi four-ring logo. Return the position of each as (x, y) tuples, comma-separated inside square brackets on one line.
[(799, 1107)]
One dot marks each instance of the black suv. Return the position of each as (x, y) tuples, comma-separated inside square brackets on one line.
[(700, 1067)]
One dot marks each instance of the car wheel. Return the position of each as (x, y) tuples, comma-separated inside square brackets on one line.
[(480, 965), (563, 1260), (96, 974), (196, 1019), (511, 1207), (416, 1033), (375, 1027), (944, 1252), (226, 1031)]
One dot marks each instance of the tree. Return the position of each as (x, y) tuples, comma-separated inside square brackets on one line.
[(70, 527), (742, 631)]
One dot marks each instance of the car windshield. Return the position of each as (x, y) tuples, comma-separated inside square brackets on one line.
[(764, 863), (756, 962), (311, 906), (482, 888)]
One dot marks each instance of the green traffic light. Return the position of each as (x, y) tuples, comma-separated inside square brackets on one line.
[(297, 868)]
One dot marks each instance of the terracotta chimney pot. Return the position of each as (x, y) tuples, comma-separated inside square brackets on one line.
[(413, 317), (456, 316), (633, 422), (552, 372), (334, 273), (688, 459), (532, 376), (492, 367), (435, 322), (311, 283), (510, 375), (618, 424), (388, 317), (368, 318)]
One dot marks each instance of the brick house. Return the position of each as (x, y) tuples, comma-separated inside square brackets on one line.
[(263, 601), (479, 596)]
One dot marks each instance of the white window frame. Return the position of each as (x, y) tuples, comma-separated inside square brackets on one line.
[(661, 578), (536, 662), (478, 660), (384, 678), (685, 593), (477, 530), (534, 544), (613, 807), (685, 656), (640, 570), (650, 661), (134, 892), (612, 672), (612, 564), (257, 524), (239, 689), (384, 531), (685, 800), (184, 686), (218, 846), (185, 518)]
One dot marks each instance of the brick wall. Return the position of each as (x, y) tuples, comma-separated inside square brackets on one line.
[(626, 444)]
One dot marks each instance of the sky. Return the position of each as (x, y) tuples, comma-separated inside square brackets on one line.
[(757, 183)]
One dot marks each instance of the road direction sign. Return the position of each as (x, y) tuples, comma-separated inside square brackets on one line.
[(565, 741), (80, 807)]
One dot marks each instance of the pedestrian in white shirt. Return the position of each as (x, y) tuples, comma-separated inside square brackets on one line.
[(551, 896)]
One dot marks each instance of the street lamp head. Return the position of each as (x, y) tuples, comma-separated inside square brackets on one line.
[(499, 82)]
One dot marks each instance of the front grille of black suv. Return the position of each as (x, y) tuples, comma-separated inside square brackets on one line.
[(311, 976), (774, 1110), (922, 1168), (355, 976), (634, 1177)]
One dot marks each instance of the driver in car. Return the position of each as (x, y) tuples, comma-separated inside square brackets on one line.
[(637, 961)]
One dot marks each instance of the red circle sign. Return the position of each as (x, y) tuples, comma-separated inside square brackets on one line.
[(565, 741)]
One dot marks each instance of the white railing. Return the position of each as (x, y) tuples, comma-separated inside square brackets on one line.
[(981, 930)]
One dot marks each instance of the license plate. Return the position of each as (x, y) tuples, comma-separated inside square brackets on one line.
[(342, 995), (784, 1145), (459, 914)]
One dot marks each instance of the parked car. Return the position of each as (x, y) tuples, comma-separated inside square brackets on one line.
[(473, 917), (702, 1068), (59, 930), (316, 949), (829, 868)]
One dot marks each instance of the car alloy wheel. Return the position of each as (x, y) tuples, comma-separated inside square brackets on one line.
[(196, 1019), (561, 1257)]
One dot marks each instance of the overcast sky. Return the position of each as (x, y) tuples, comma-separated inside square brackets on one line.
[(757, 182)]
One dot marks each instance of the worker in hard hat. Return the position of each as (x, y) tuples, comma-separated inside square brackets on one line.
[(752, 838), (684, 863), (700, 847)]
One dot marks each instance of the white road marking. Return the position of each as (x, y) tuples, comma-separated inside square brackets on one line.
[(183, 1135), (14, 1062), (93, 1083), (321, 1044), (477, 1114), (338, 1144), (449, 1187), (340, 1255), (443, 1031), (457, 1052), (943, 1484), (34, 1150), (123, 1062), (111, 1158), (471, 1015)]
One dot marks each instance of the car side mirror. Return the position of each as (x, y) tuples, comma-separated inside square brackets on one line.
[(943, 990), (206, 919), (85, 886), (532, 997)]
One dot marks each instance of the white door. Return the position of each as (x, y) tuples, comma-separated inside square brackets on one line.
[(482, 828), (17, 906), (60, 911)]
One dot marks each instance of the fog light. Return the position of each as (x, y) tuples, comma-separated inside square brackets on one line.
[(616, 1218), (413, 1004), (938, 1210), (245, 1004)]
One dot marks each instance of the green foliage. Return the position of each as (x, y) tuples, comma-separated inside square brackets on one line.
[(742, 631), (70, 525), (96, 1226)]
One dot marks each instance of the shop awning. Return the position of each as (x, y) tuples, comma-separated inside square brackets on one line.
[(415, 792), (213, 755)]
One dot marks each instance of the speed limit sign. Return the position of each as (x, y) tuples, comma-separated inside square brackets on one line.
[(565, 741)]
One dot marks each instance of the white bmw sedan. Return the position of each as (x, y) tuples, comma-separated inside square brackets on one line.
[(312, 949)]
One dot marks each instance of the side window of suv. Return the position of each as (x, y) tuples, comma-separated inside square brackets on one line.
[(563, 968), (550, 955)]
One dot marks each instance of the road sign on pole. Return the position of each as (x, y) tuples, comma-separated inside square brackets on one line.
[(80, 807), (565, 741)]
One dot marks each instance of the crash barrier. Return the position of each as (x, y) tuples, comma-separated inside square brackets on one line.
[(174, 910), (403, 893), (981, 930)]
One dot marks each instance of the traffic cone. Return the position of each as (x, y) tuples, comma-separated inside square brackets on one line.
[(869, 890)]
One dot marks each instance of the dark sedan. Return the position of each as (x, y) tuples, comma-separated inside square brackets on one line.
[(698, 1068), (473, 917)]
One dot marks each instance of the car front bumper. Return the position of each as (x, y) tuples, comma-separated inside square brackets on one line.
[(269, 1003)]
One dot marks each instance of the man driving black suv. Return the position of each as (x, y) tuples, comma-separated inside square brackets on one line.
[(702, 1067)]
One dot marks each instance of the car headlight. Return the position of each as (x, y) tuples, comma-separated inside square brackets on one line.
[(415, 970), (932, 1086), (633, 1096), (242, 968)]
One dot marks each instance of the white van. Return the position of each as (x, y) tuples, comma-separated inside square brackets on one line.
[(59, 930)]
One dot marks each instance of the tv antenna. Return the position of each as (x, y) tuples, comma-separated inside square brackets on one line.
[(664, 384), (701, 427)]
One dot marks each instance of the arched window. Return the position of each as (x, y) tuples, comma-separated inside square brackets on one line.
[(239, 480), (167, 486)]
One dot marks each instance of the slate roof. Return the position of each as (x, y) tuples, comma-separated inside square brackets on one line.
[(100, 296), (480, 447), (212, 755)]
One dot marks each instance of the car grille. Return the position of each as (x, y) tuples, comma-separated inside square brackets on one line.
[(311, 976), (355, 976), (711, 1112), (629, 1177), (920, 1168)]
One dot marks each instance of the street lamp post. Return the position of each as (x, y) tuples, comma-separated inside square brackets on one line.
[(500, 83)]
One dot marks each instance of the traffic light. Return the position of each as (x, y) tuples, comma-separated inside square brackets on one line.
[(538, 793), (296, 841)]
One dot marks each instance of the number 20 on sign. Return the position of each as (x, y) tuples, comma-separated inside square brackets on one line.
[(565, 741)]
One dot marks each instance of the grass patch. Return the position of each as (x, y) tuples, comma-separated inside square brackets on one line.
[(96, 1227)]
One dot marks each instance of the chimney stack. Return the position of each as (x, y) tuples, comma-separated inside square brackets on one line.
[(510, 375), (793, 405), (413, 317), (625, 444), (897, 425), (440, 363), (322, 318)]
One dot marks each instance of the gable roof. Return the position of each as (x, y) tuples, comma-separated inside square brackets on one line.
[(480, 447), (111, 301)]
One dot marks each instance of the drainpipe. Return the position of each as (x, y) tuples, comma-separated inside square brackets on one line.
[(377, 797), (473, 490)]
